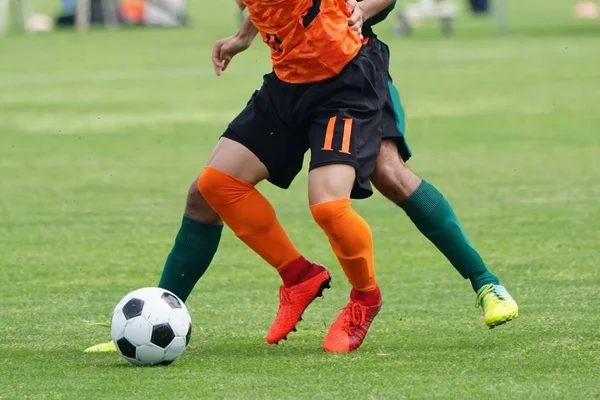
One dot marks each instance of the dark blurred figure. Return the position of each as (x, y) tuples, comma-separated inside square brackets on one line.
[(160, 13), (480, 6), (67, 17)]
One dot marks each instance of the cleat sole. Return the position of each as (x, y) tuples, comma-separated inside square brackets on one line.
[(325, 285), (509, 318)]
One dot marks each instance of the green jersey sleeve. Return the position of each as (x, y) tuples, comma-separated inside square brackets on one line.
[(381, 16)]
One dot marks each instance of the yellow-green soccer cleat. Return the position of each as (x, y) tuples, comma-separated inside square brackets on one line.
[(498, 305), (108, 347)]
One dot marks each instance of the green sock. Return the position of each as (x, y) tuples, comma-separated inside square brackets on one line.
[(195, 246), (434, 217)]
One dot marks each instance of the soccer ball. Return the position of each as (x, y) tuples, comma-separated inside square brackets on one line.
[(151, 326)]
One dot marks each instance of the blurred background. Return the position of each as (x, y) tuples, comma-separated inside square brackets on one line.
[(106, 119), (45, 15)]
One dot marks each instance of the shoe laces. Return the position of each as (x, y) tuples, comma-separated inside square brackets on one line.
[(355, 314), (485, 291)]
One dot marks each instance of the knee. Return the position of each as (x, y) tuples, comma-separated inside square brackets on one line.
[(219, 187), (197, 208), (330, 183), (392, 177), (206, 184), (212, 185), (346, 230), (396, 185), (326, 214), (388, 183)]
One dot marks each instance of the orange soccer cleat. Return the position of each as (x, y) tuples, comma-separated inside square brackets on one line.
[(350, 328), (294, 300)]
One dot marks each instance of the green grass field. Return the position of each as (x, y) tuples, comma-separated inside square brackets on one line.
[(101, 134)]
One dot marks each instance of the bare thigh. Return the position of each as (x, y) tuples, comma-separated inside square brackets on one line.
[(236, 160)]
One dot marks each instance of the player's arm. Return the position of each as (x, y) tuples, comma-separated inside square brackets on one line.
[(365, 10), (225, 49), (247, 32), (382, 15)]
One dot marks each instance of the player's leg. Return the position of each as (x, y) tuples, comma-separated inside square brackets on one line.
[(426, 206), (352, 242), (345, 136), (251, 150), (230, 191), (228, 184), (433, 215), (430, 212), (329, 189), (195, 245), (198, 236), (200, 231), (344, 149)]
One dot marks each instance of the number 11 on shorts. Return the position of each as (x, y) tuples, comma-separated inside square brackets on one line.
[(327, 145)]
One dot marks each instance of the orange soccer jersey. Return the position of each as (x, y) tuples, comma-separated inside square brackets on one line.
[(309, 39)]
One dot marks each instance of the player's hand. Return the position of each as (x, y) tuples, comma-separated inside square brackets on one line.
[(357, 19), (240, 5), (225, 49), (351, 5)]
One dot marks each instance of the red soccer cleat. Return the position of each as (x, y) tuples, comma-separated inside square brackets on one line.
[(350, 328), (293, 301)]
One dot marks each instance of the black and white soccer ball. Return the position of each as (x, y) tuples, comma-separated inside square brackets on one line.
[(151, 326)]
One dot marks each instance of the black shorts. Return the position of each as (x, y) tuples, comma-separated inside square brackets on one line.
[(338, 119), (393, 118)]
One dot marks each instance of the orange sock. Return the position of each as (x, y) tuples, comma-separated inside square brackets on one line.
[(249, 215), (351, 240)]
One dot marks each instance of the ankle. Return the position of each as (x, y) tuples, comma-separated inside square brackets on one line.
[(483, 278), (367, 298), (299, 271)]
